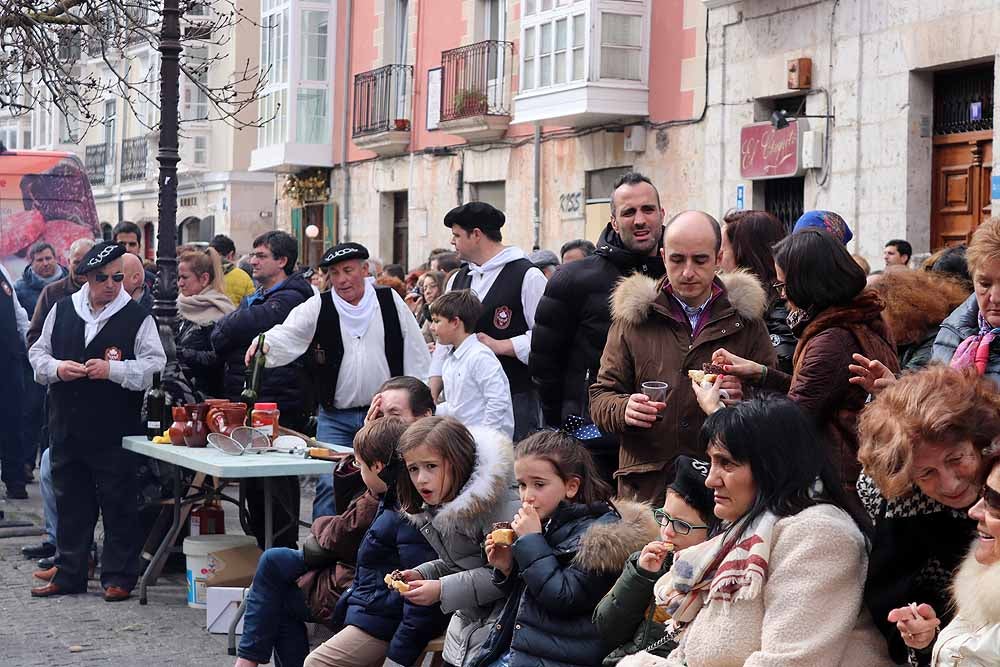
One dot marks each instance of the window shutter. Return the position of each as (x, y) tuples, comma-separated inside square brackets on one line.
[(297, 225), (330, 224)]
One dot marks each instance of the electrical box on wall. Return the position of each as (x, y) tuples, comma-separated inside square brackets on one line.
[(800, 73), (635, 138), (812, 149)]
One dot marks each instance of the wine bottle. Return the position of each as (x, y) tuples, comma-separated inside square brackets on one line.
[(254, 373), (155, 408)]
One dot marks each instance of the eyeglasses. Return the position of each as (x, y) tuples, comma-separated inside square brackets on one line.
[(779, 287), (680, 527), (261, 255), (103, 277)]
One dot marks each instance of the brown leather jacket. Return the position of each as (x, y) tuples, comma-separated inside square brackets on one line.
[(819, 381), (50, 295), (651, 339), (335, 537)]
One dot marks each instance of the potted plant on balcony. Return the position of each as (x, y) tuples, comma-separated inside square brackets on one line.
[(401, 125), (470, 102)]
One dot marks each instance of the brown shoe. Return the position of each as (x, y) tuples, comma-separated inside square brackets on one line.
[(48, 590), (116, 594), (46, 575)]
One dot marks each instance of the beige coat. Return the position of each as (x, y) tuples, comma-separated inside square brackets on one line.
[(810, 613), (972, 639)]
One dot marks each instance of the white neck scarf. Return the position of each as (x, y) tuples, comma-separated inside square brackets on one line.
[(92, 322), (354, 320)]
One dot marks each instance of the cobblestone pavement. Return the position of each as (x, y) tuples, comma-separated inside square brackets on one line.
[(166, 632)]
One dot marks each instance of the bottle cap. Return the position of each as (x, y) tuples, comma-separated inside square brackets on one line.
[(265, 406)]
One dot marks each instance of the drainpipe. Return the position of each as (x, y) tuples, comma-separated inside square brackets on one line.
[(345, 196), (538, 182)]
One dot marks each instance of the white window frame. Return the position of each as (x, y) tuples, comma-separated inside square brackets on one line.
[(592, 12)]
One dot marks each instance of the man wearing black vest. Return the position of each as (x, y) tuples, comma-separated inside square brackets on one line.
[(13, 326), (355, 337), (509, 286), (97, 353)]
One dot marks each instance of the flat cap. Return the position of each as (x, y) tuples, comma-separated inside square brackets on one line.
[(343, 252), (102, 253), (543, 258), (475, 214), (689, 483)]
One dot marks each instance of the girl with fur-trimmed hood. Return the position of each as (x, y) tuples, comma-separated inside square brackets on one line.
[(459, 483), (571, 544)]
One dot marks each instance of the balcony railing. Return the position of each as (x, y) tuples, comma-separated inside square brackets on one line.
[(95, 162), (134, 153), (476, 80), (382, 100)]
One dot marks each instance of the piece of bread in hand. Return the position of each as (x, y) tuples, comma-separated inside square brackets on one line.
[(395, 580), (503, 534), (702, 377)]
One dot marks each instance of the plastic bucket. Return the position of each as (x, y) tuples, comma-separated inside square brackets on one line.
[(199, 567)]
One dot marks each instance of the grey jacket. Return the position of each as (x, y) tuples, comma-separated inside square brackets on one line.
[(962, 323), (457, 531)]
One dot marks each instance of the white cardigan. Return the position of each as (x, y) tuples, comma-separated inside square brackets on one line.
[(972, 639), (810, 613)]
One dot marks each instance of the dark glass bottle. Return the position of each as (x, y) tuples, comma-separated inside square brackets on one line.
[(155, 408), (255, 372)]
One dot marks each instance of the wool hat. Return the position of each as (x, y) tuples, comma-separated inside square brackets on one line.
[(343, 252), (475, 214), (689, 483), (827, 220), (99, 255)]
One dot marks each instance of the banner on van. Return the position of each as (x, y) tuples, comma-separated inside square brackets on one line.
[(43, 197)]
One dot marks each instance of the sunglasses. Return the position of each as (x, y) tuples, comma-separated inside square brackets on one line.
[(991, 498), (680, 527), (103, 277)]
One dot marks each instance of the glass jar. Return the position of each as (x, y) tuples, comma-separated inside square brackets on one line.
[(264, 419)]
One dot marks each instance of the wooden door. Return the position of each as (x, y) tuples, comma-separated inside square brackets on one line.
[(960, 197)]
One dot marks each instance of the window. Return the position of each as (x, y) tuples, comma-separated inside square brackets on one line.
[(148, 106), (69, 130), (528, 68), (274, 61), (493, 193), (200, 154), (110, 122), (194, 102), (553, 44), (621, 46), (312, 118), (8, 137), (314, 37)]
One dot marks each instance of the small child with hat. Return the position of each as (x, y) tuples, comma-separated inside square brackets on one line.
[(627, 617)]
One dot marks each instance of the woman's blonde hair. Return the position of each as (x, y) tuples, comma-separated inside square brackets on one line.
[(937, 405), (204, 261), (450, 440), (985, 245)]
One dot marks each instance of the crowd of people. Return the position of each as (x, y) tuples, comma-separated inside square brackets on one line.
[(690, 443)]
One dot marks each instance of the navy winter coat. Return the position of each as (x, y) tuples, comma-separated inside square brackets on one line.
[(559, 576), (29, 286), (234, 333), (392, 543)]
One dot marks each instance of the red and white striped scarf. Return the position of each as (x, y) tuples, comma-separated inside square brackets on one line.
[(717, 570)]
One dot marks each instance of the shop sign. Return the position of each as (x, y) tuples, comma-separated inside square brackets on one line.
[(767, 152)]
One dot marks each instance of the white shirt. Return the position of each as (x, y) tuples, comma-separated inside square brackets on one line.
[(476, 388), (364, 367), (20, 314), (483, 277), (133, 374)]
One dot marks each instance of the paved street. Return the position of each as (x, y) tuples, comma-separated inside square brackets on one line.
[(85, 630)]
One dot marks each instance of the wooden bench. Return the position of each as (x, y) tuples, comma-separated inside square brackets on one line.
[(434, 651)]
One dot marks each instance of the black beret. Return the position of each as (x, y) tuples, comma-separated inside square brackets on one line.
[(102, 253), (689, 483), (475, 214), (343, 252)]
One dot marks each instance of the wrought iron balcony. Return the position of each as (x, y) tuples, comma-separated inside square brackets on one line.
[(95, 162), (134, 154), (382, 100), (476, 80)]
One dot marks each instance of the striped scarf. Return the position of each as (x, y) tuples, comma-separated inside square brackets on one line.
[(974, 351), (717, 570)]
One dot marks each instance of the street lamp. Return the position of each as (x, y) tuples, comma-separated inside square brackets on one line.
[(165, 292)]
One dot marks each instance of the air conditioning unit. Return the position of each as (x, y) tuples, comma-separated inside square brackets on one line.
[(635, 138)]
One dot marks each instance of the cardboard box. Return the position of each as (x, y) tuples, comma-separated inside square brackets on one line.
[(233, 567), (223, 601)]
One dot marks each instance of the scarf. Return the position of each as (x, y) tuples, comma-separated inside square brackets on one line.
[(354, 320), (974, 351), (717, 570), (93, 322), (206, 307), (862, 317)]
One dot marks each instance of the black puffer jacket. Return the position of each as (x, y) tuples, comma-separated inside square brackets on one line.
[(572, 322), (776, 319), (559, 576), (198, 361), (257, 314)]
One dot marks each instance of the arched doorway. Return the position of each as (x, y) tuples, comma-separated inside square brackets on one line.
[(106, 231), (148, 241)]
